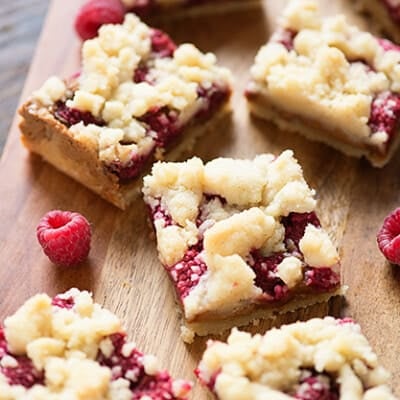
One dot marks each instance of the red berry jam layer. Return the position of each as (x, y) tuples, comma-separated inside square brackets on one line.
[(186, 273), (163, 124), (136, 373)]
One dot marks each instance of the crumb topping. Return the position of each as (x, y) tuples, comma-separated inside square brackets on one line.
[(334, 70), (216, 215), (108, 90), (71, 347), (284, 362)]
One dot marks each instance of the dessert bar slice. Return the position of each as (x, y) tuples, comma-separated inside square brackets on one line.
[(240, 240), (145, 8), (386, 14), (138, 96), (319, 359), (71, 348), (331, 82)]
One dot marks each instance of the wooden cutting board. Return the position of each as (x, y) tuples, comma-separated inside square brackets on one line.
[(123, 271)]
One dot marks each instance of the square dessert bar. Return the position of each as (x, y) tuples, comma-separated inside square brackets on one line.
[(240, 240), (321, 359), (386, 15), (137, 97), (331, 82), (146, 8), (71, 348)]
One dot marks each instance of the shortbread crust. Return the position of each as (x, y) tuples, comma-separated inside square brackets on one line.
[(317, 359), (138, 98), (337, 84), (69, 347), (240, 240)]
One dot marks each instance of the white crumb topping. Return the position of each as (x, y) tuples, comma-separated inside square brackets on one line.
[(8, 362), (151, 365), (271, 366), (233, 207), (63, 343), (320, 76), (51, 91), (290, 271), (317, 248), (107, 90)]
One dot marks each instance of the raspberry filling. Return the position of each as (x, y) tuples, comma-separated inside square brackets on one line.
[(20, 370), (285, 37), (393, 9), (295, 225), (158, 212), (387, 45), (130, 367), (186, 273), (164, 126), (265, 269), (162, 44), (316, 386), (385, 114), (71, 116), (61, 302)]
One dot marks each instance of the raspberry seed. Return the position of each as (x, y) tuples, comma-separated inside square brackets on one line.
[(388, 237), (65, 237)]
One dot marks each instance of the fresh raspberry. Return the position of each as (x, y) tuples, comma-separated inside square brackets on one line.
[(388, 237), (64, 236), (95, 13)]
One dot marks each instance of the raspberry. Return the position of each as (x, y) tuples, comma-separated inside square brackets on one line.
[(162, 44), (64, 237), (385, 113), (388, 237), (187, 273), (71, 116), (96, 13), (266, 279)]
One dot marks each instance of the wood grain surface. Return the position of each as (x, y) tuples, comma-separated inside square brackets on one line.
[(20, 25), (123, 271)]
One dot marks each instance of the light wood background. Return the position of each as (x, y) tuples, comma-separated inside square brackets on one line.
[(123, 271)]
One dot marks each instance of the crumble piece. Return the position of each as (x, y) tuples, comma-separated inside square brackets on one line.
[(70, 347), (317, 359), (240, 239), (137, 97), (329, 81)]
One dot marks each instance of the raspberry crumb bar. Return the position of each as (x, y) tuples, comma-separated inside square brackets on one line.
[(71, 348), (146, 8), (319, 359), (329, 81), (240, 240), (138, 96), (386, 14)]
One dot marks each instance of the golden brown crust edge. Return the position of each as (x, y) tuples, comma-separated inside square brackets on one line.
[(42, 134)]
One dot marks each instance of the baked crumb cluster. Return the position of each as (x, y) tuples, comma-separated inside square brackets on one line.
[(327, 70), (237, 232), (136, 92), (318, 359), (71, 348)]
